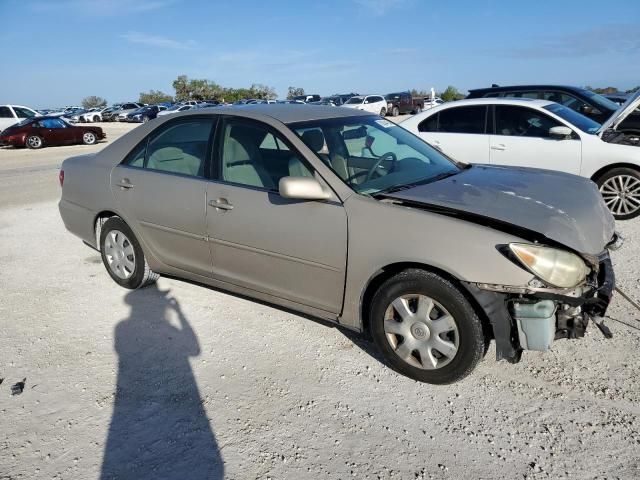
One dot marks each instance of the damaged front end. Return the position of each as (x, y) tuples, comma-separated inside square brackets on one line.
[(531, 317)]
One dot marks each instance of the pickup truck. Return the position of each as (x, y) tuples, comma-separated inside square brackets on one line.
[(403, 102)]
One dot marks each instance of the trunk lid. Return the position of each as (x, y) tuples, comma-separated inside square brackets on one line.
[(564, 208)]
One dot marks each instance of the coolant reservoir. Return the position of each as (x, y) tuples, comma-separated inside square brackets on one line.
[(536, 324)]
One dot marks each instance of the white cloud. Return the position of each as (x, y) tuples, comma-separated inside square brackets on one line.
[(156, 41)]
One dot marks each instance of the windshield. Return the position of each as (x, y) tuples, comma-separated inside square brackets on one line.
[(574, 118), (355, 100), (606, 104), (373, 155)]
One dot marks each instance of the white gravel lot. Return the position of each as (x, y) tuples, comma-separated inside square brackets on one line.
[(185, 382)]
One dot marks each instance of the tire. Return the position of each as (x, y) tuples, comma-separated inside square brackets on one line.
[(383, 112), (417, 110), (145, 119), (452, 326), (89, 138), (34, 142), (395, 111), (95, 119), (131, 270), (620, 189)]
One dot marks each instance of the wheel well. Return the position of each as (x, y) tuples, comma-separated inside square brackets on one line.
[(390, 270), (100, 220), (604, 170)]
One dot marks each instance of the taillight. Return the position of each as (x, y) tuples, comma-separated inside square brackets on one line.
[(61, 177)]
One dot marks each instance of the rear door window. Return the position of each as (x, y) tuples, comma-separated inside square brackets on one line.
[(5, 112), (463, 120)]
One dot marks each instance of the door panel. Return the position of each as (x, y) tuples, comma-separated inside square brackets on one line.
[(291, 249), (288, 248), (547, 153), (522, 139), (169, 212)]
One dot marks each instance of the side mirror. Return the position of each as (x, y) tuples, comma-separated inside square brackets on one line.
[(302, 188), (560, 132)]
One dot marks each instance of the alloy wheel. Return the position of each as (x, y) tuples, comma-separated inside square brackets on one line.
[(34, 141), (120, 254), (621, 194), (88, 138), (421, 331)]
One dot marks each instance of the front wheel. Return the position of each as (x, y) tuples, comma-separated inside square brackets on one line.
[(383, 112), (620, 189), (123, 257), (145, 119), (425, 328)]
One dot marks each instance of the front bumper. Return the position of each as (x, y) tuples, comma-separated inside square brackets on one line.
[(573, 309)]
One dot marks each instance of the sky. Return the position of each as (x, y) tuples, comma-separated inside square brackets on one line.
[(56, 52)]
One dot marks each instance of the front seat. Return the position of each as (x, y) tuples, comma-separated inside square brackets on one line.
[(314, 139), (242, 162)]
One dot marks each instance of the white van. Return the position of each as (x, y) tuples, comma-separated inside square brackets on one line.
[(12, 114)]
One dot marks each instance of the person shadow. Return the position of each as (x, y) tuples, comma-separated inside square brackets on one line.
[(159, 428)]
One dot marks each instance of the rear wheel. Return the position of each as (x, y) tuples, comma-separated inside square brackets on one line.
[(417, 110), (34, 141), (620, 189), (123, 257), (425, 328), (145, 119), (89, 138), (395, 112)]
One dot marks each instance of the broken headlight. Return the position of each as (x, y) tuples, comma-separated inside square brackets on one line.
[(559, 268)]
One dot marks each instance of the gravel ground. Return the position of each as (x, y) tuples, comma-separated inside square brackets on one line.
[(180, 381)]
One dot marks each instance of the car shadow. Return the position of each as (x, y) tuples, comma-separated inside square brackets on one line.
[(159, 428)]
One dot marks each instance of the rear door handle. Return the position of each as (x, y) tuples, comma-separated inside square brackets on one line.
[(500, 146), (125, 184), (221, 203)]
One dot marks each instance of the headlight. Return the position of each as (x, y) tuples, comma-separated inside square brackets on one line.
[(557, 267)]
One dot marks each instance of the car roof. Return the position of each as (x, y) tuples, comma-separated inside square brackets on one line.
[(527, 102), (525, 87), (285, 113)]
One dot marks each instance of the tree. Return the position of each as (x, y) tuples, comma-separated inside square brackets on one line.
[(181, 87), (154, 96), (633, 90), (450, 94), (93, 102), (294, 92), (602, 90)]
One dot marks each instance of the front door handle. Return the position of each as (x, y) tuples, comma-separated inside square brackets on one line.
[(500, 146), (221, 203), (125, 184)]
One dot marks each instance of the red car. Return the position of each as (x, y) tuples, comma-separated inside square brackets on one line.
[(38, 132)]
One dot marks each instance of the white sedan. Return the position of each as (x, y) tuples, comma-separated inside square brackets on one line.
[(540, 134), (93, 115), (12, 114), (368, 103), (176, 109)]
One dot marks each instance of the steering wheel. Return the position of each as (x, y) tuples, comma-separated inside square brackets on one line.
[(381, 158)]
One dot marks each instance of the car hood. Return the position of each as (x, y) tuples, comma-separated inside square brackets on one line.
[(560, 207), (623, 112)]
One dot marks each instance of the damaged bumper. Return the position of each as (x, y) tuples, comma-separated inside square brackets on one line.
[(530, 318)]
